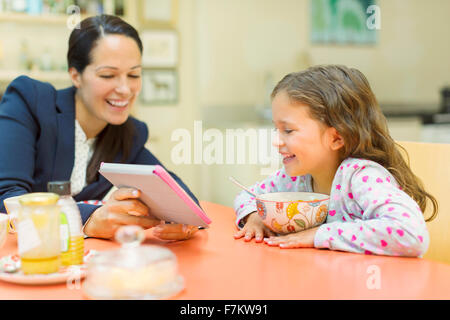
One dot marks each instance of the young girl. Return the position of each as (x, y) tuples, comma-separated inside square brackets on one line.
[(334, 140)]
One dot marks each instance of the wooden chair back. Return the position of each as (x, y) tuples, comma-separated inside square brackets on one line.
[(431, 163)]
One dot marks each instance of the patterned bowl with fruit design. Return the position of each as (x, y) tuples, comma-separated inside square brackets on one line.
[(286, 212)]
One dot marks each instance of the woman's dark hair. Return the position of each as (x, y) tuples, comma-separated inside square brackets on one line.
[(113, 139)]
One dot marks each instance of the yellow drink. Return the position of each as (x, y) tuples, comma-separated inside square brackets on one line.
[(43, 265), (71, 227), (75, 253)]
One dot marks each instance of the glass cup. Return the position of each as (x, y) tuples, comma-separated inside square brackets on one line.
[(38, 233), (4, 222), (12, 206)]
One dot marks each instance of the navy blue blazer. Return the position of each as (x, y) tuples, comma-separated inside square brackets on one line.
[(37, 143)]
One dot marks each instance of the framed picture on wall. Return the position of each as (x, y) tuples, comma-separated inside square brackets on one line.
[(157, 13), (159, 86), (160, 49), (344, 22)]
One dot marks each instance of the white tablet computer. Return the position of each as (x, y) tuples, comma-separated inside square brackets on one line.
[(159, 191)]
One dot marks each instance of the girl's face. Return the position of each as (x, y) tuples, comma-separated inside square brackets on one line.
[(305, 144), (109, 85)]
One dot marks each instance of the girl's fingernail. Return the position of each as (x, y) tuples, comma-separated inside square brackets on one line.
[(135, 193)]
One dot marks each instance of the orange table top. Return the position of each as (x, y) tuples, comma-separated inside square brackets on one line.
[(216, 266)]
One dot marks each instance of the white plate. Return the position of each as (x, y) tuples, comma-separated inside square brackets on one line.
[(67, 274)]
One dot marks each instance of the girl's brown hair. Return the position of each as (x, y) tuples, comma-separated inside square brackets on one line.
[(341, 97)]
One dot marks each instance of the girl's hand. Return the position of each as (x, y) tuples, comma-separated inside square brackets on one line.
[(254, 227), (302, 239), (122, 208), (174, 231)]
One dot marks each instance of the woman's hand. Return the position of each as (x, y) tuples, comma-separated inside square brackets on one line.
[(253, 227), (174, 231), (302, 239), (122, 208)]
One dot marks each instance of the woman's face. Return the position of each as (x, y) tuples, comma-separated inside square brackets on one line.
[(109, 85)]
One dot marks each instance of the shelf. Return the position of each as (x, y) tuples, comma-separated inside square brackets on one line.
[(17, 17), (27, 18), (46, 76)]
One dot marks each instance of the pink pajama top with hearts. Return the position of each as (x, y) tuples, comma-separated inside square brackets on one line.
[(367, 213)]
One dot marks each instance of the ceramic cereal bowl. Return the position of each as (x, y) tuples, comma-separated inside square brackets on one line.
[(286, 212)]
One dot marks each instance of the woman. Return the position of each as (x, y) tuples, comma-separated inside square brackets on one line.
[(50, 134)]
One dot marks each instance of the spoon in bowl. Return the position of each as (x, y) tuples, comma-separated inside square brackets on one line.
[(241, 186)]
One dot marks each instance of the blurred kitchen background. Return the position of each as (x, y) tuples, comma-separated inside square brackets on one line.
[(218, 60)]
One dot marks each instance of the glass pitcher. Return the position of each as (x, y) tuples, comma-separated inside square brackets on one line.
[(38, 233)]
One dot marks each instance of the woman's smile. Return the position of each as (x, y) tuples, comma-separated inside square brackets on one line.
[(118, 106), (118, 103)]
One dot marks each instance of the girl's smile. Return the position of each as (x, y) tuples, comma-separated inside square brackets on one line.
[(287, 158)]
